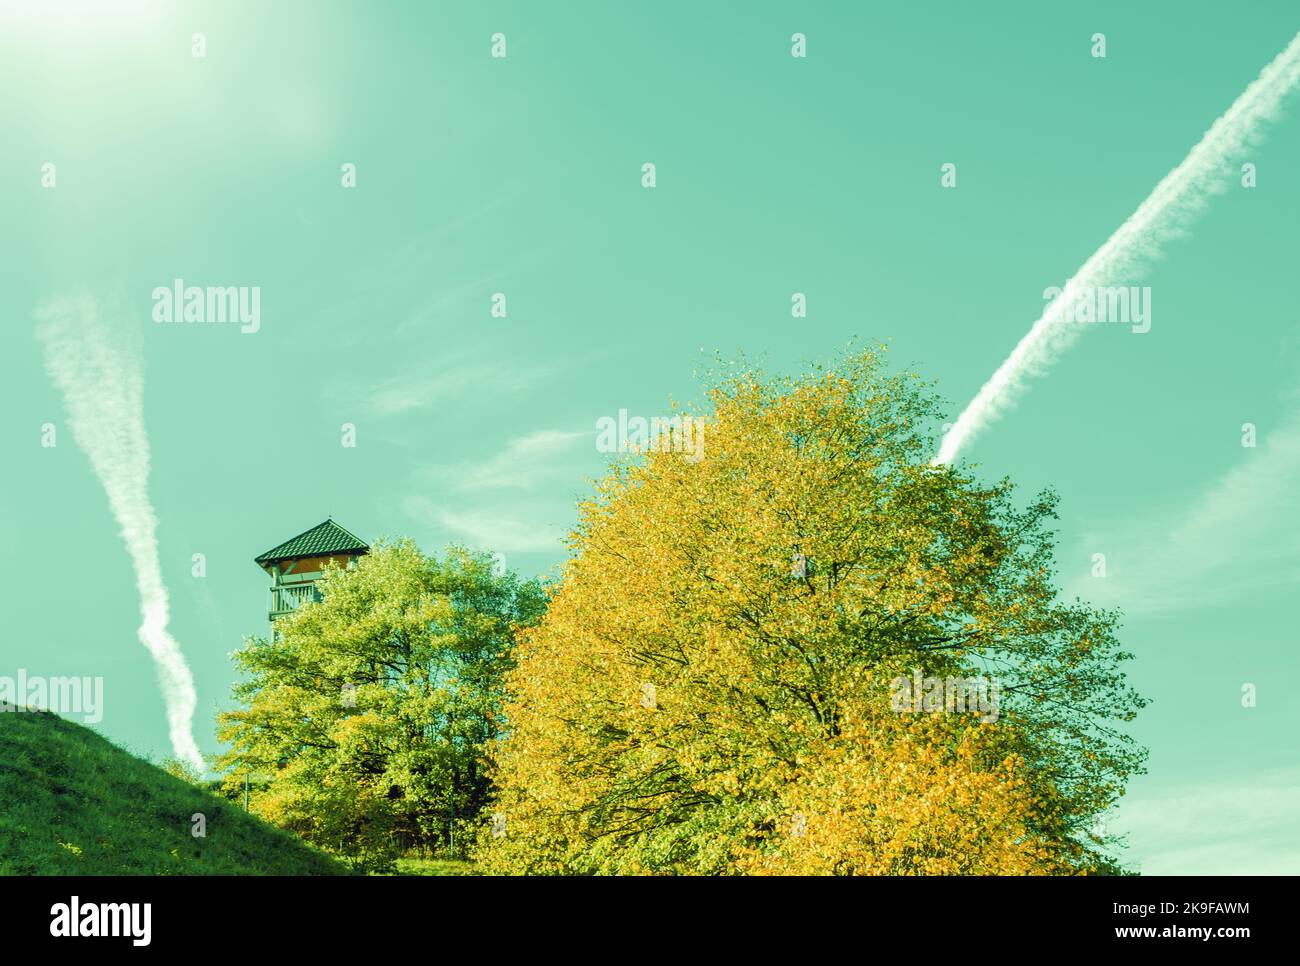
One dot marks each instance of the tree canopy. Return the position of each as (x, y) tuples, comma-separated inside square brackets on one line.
[(364, 722), (713, 687)]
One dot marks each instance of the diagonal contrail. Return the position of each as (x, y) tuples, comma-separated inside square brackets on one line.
[(103, 388), (1175, 201)]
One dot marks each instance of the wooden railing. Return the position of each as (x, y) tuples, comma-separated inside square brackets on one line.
[(289, 597)]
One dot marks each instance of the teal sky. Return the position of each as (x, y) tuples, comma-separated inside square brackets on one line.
[(775, 175)]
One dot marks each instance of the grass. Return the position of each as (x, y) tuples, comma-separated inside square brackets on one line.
[(73, 803), (435, 867)]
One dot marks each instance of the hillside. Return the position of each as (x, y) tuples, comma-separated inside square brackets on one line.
[(72, 803)]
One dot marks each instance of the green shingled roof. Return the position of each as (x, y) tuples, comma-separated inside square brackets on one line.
[(327, 537)]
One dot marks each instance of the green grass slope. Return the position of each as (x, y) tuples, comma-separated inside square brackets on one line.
[(72, 803)]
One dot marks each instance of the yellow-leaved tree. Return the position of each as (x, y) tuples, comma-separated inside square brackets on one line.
[(764, 657)]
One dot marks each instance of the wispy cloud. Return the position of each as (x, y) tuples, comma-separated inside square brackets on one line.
[(1193, 555), (99, 372), (526, 491), (426, 282), (1230, 825), (522, 464), (429, 386), (487, 529), (1181, 195)]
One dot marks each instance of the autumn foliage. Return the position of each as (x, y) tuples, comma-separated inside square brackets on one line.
[(710, 688)]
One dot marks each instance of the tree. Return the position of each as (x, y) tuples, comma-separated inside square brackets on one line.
[(364, 724), (714, 687)]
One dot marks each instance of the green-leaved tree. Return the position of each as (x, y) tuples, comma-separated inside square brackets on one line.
[(363, 723)]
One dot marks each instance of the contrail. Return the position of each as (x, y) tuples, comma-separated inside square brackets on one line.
[(100, 376), (1171, 206)]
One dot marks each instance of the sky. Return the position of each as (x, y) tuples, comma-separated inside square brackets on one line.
[(523, 175)]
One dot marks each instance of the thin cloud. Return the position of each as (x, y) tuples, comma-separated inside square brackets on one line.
[(1237, 540), (523, 463), (487, 529), (1231, 825), (102, 381), (1179, 197), (427, 387)]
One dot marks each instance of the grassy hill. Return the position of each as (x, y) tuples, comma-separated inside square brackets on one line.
[(72, 803)]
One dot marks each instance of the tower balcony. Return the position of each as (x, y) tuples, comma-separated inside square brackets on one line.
[(286, 598), (295, 565)]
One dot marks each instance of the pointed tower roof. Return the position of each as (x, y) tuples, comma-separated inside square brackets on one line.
[(324, 538)]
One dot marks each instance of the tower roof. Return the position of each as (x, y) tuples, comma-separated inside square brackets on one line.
[(324, 538)]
